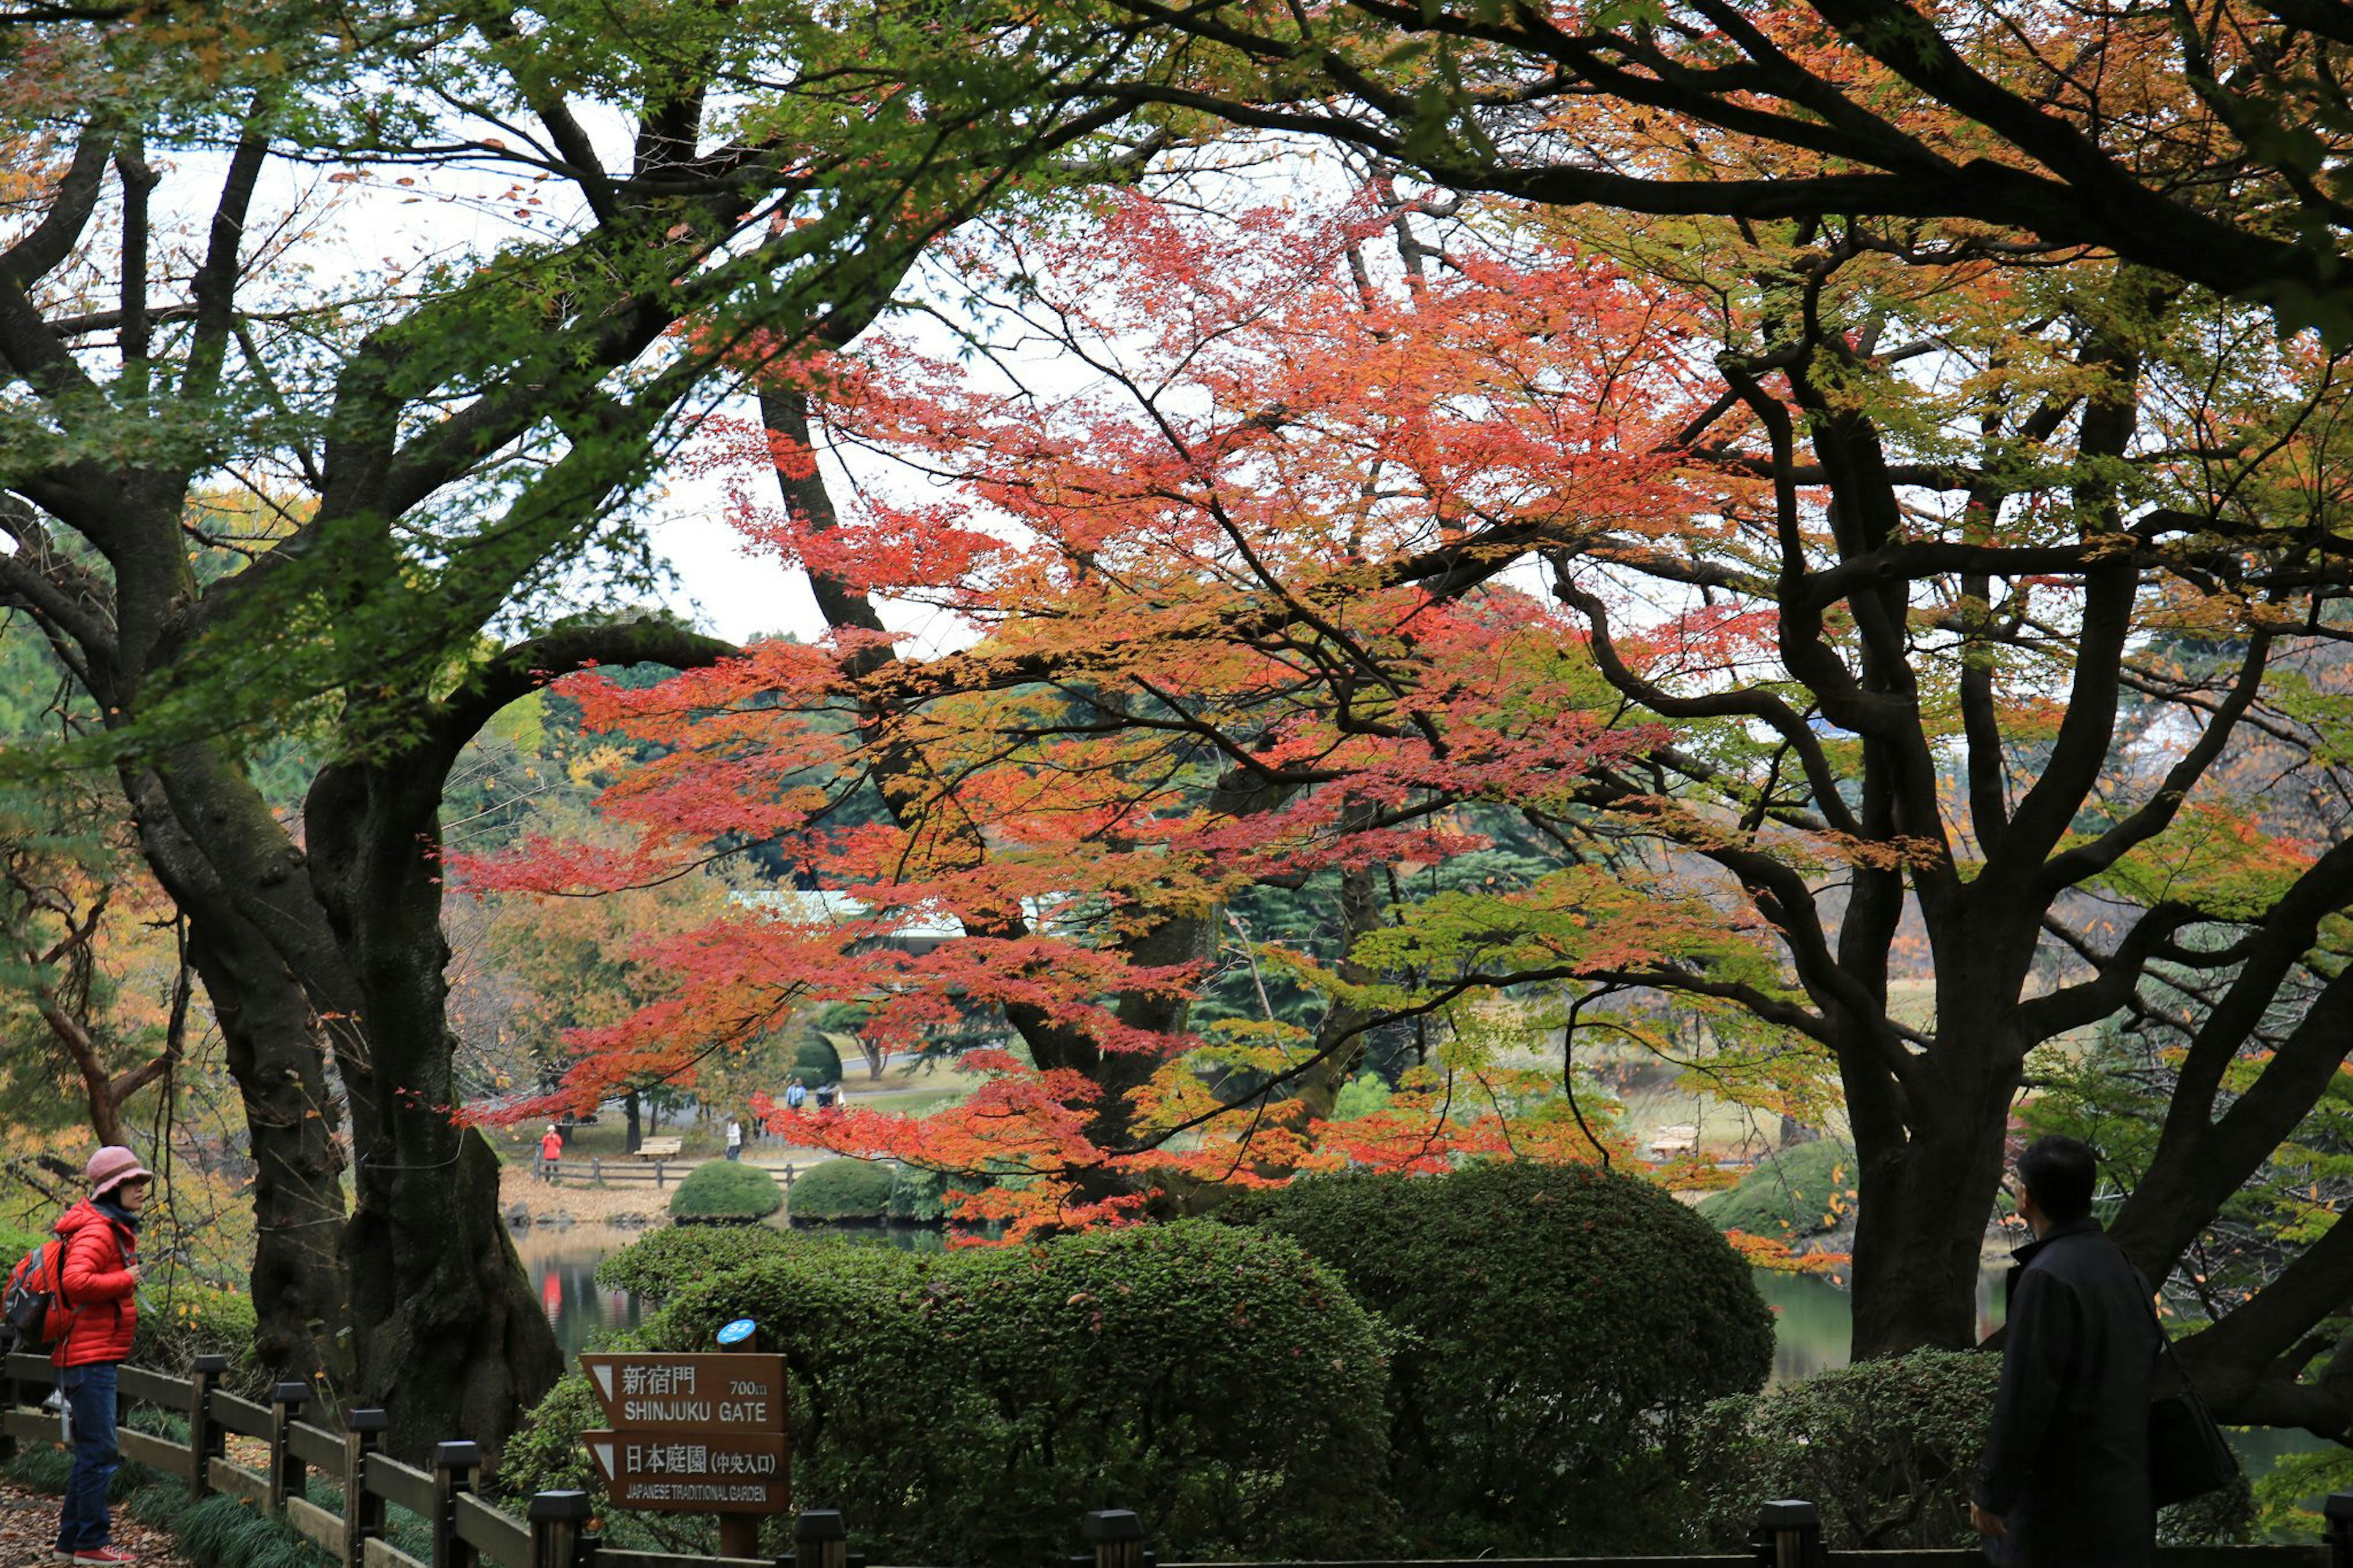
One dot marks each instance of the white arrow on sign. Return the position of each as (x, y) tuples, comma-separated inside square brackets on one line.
[(604, 1376), (603, 1454)]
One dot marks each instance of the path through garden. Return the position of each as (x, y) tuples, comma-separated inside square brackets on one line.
[(29, 1531)]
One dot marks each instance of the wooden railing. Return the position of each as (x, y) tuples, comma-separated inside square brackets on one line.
[(594, 1170), (462, 1530)]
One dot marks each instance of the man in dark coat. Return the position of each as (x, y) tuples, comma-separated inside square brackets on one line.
[(2065, 1476)]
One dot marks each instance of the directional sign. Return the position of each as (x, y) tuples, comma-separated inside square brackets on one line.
[(655, 1391), (737, 1472)]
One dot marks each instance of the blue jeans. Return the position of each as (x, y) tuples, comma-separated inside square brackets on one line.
[(83, 1526)]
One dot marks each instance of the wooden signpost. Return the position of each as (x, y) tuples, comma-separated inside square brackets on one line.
[(694, 1433)]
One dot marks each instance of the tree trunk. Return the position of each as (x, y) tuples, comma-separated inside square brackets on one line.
[(635, 1129), (300, 1297), (451, 1342), (1925, 1198), (1918, 1237)]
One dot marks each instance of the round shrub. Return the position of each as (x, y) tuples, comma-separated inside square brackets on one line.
[(1791, 1194), (726, 1189), (842, 1189), (660, 1263), (1562, 1328), (969, 1407), (817, 1061)]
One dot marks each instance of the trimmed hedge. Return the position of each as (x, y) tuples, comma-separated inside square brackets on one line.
[(843, 1189), (969, 1406), (661, 1263), (726, 1189), (1563, 1328), (1791, 1194)]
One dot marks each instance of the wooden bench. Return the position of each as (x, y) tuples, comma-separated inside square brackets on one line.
[(660, 1148)]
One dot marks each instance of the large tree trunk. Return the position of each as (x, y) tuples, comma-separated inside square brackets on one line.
[(1920, 1236), (451, 1341), (300, 1296), (276, 1052)]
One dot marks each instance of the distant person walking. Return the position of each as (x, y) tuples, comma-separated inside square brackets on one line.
[(551, 1152), (735, 1139), (825, 1093), (2064, 1482), (98, 1284), (795, 1094)]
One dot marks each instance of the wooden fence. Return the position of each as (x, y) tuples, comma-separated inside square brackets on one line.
[(465, 1531)]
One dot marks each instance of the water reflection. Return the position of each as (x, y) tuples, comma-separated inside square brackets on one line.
[(562, 1264), (1813, 1320)]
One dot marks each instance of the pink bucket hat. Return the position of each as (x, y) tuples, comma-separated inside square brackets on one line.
[(113, 1165)]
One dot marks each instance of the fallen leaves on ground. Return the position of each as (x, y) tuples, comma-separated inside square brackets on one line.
[(28, 1532)]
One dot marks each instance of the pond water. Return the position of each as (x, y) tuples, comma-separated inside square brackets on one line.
[(1811, 1317), (562, 1262)]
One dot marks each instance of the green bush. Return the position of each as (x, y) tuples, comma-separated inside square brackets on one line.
[(843, 1189), (817, 1061), (1562, 1326), (178, 1324), (920, 1194), (14, 1245), (660, 1263), (726, 1189), (969, 1406), (1791, 1194), (1363, 1095), (1888, 1450)]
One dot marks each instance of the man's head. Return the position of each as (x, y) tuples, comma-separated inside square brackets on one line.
[(2058, 1175)]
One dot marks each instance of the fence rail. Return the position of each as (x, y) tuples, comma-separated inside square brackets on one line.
[(595, 1171), (466, 1530)]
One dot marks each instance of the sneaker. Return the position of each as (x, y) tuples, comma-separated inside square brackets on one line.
[(104, 1555)]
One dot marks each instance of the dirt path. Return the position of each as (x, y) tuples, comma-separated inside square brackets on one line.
[(29, 1531)]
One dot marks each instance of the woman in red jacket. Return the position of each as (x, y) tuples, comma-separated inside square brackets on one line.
[(98, 1283)]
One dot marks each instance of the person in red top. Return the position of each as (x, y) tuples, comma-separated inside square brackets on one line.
[(551, 1150), (98, 1284)]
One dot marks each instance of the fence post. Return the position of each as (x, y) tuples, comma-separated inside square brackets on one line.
[(1789, 1535), (658, 1173), (206, 1438), (820, 1540), (1115, 1537), (2338, 1514), (288, 1477), (559, 1531), (456, 1468), (7, 1401), (596, 1170), (362, 1514)]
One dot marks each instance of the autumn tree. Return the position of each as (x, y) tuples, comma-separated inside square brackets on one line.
[(1851, 556), (448, 450), (2196, 139), (1214, 657), (97, 985)]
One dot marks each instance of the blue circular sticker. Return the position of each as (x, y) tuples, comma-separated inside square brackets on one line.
[(736, 1332)]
